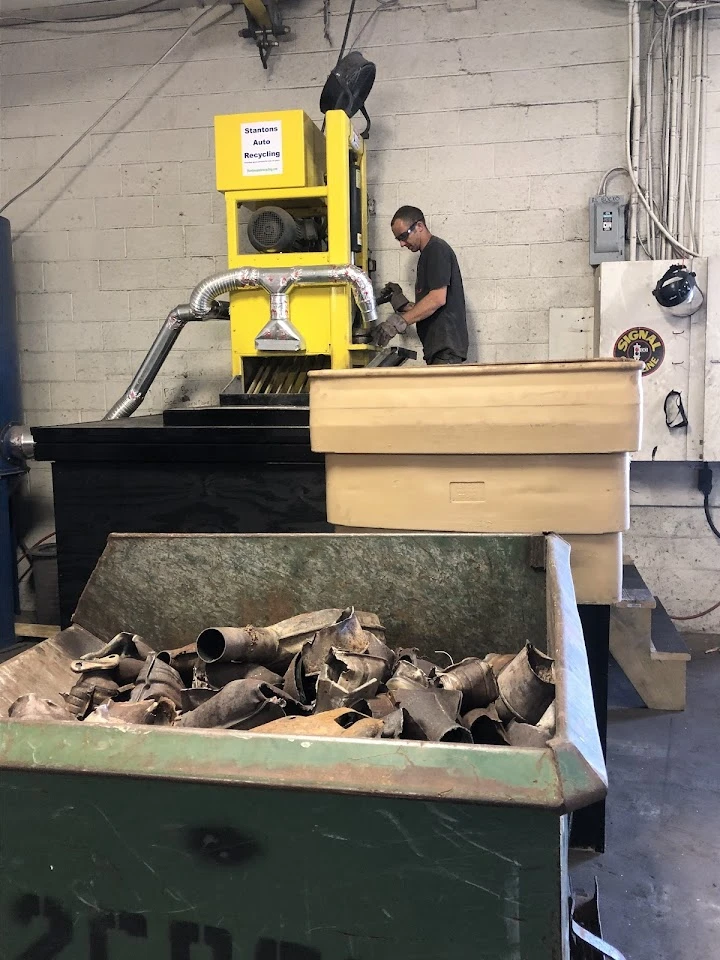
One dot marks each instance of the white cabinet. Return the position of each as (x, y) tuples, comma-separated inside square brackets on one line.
[(681, 354)]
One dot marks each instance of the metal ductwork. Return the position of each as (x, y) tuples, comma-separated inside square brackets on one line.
[(277, 281), (204, 305), (149, 368)]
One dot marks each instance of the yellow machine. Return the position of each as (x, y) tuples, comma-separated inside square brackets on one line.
[(294, 197)]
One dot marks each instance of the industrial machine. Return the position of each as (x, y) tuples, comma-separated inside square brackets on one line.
[(295, 199), (301, 298)]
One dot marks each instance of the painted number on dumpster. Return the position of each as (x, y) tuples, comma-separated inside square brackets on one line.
[(108, 932)]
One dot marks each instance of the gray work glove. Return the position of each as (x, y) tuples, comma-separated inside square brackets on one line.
[(384, 332), (396, 297)]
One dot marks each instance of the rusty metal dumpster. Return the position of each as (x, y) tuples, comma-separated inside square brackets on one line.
[(184, 844)]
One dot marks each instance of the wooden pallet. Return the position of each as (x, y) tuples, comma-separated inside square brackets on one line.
[(40, 631), (647, 646)]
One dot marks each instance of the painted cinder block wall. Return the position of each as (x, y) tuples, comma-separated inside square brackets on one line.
[(498, 120)]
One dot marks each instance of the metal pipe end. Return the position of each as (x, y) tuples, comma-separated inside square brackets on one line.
[(17, 443)]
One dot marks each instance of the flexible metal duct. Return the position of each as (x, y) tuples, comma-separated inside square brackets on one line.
[(204, 306), (156, 356), (278, 282)]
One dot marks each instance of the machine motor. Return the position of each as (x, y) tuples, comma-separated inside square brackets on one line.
[(274, 230)]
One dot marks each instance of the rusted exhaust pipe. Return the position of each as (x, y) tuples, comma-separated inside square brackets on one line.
[(220, 673), (474, 679), (432, 715), (158, 679), (526, 686), (248, 644), (241, 705)]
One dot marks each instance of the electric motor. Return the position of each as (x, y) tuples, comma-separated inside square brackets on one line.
[(274, 230)]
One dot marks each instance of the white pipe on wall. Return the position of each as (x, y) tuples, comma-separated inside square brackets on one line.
[(698, 24), (703, 124), (672, 199), (665, 165), (649, 134), (634, 17), (684, 127)]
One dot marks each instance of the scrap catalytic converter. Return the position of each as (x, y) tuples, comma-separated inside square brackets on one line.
[(298, 277)]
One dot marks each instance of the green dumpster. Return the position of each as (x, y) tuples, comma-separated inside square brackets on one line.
[(157, 843)]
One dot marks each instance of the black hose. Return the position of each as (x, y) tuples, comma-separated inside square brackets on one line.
[(708, 516), (347, 31)]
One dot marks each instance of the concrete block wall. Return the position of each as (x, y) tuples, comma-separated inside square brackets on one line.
[(498, 120)]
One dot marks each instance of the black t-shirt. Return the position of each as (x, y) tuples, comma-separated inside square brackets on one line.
[(446, 329)]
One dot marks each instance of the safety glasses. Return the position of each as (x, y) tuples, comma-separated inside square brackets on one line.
[(402, 237)]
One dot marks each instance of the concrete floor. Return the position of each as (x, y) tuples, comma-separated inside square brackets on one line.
[(659, 879)]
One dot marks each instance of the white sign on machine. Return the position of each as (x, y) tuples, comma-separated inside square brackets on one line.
[(261, 145)]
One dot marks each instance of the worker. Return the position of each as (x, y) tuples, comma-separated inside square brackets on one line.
[(439, 308)]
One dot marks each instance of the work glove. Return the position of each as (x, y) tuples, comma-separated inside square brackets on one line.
[(392, 294), (384, 332)]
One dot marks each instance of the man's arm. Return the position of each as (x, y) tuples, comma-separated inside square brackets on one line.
[(425, 307)]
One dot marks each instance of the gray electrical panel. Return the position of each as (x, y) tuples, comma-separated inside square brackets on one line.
[(607, 229)]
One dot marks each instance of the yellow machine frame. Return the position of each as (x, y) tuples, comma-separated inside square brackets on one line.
[(311, 177)]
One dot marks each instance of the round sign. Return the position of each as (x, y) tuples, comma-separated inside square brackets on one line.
[(641, 343)]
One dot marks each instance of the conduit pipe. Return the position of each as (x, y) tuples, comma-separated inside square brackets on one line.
[(634, 12), (700, 200), (204, 305), (649, 134), (684, 127), (695, 137), (673, 192)]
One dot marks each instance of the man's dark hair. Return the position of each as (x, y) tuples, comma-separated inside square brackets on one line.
[(408, 215)]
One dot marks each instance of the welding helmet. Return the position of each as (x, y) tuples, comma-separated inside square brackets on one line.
[(677, 291)]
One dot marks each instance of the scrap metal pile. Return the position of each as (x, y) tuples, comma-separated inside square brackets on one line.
[(326, 673)]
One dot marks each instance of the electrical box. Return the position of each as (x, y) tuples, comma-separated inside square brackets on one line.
[(681, 411), (607, 229)]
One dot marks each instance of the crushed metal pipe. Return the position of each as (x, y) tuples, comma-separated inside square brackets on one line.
[(323, 673)]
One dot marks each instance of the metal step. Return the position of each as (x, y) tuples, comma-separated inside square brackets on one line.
[(647, 646), (635, 592), (667, 643)]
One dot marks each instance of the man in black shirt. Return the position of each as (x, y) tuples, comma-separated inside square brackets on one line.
[(439, 308)]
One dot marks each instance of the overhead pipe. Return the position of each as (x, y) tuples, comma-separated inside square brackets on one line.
[(204, 305)]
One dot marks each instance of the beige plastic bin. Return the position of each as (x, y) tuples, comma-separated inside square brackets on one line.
[(480, 494), (591, 406), (507, 448)]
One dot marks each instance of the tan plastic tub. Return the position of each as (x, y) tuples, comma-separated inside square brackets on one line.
[(485, 494), (589, 406)]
